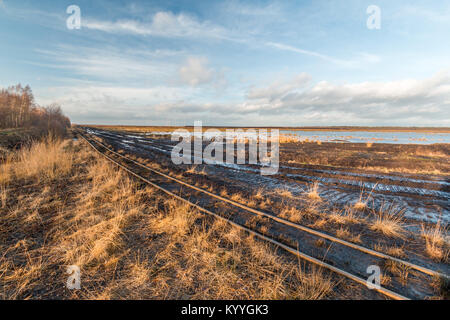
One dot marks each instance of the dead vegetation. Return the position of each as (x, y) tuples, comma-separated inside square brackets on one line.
[(292, 214), (129, 241), (313, 192), (376, 157), (361, 204), (347, 235), (391, 250), (399, 270), (346, 216), (437, 246), (388, 220), (194, 170)]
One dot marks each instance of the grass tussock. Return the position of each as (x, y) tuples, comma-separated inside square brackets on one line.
[(129, 241), (284, 193), (292, 214), (360, 206), (260, 194), (435, 241), (399, 270), (346, 216), (391, 250), (345, 234), (388, 221), (313, 192)]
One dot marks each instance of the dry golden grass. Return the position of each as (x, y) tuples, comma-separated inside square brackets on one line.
[(284, 193), (193, 170), (284, 138), (346, 216), (313, 192), (391, 250), (387, 221), (291, 214), (43, 161), (129, 241), (360, 205), (261, 200), (429, 170), (347, 235), (429, 153), (6, 171), (399, 270), (373, 157), (435, 241), (224, 193), (238, 198), (259, 195), (3, 196), (319, 223)]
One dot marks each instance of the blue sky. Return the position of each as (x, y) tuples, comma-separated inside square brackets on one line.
[(265, 63)]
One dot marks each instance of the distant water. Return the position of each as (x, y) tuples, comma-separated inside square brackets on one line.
[(376, 137), (352, 136)]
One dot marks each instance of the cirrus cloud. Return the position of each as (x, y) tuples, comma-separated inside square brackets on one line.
[(163, 24)]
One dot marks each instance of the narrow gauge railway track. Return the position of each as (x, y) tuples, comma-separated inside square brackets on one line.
[(200, 205)]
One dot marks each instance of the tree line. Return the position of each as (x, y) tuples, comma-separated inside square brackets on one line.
[(18, 109)]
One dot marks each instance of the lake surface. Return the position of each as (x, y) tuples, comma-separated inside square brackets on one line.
[(376, 137)]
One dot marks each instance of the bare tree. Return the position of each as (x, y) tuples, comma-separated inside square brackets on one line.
[(18, 109)]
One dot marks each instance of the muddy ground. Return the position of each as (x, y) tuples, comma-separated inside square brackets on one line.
[(340, 171)]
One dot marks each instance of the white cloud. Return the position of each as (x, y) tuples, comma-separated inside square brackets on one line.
[(246, 9), (306, 52), (424, 102), (359, 60), (196, 71), (279, 88), (110, 64), (169, 25), (419, 102), (163, 24), (393, 101)]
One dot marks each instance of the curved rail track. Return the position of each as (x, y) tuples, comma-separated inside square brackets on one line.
[(290, 249)]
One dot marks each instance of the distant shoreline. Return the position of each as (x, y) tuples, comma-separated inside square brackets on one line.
[(331, 128)]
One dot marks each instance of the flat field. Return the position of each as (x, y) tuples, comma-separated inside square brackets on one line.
[(348, 205)]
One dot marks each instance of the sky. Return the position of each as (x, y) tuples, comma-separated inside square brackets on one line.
[(226, 63)]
